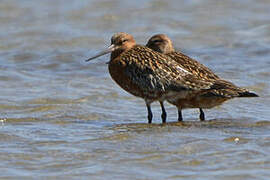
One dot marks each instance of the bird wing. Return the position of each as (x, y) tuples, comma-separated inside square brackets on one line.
[(193, 66), (153, 71)]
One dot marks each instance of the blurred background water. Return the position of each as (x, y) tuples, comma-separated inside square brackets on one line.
[(64, 118)]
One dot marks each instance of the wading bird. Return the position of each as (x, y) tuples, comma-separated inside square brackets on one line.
[(148, 74), (219, 92)]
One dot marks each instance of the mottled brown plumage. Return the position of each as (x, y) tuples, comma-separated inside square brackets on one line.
[(219, 91), (163, 44), (148, 74)]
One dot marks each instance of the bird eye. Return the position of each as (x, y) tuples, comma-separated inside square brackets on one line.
[(125, 40), (158, 41)]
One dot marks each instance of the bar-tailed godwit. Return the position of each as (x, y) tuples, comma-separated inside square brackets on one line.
[(219, 92), (148, 74)]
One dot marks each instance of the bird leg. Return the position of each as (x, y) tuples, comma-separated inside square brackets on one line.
[(180, 118), (150, 115), (202, 117), (164, 114)]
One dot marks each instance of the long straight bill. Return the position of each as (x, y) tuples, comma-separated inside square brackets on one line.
[(106, 51)]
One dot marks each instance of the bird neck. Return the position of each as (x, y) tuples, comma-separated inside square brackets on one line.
[(116, 53)]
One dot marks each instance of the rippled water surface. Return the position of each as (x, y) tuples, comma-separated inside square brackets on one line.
[(62, 118)]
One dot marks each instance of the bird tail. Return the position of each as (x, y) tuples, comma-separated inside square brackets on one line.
[(229, 90), (247, 94)]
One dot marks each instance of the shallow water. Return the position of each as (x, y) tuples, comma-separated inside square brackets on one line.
[(64, 118)]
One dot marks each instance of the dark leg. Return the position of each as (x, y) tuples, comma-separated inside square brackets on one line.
[(164, 114), (180, 118), (202, 118), (150, 115)]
